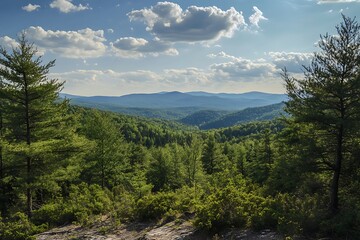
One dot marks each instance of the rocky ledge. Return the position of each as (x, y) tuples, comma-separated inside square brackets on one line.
[(174, 230)]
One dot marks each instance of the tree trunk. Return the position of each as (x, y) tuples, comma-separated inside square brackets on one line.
[(1, 148), (1, 164), (28, 142), (334, 198)]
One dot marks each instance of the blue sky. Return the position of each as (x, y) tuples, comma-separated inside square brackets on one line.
[(117, 47)]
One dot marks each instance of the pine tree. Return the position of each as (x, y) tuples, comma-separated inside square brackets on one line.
[(107, 161), (328, 97), (41, 136)]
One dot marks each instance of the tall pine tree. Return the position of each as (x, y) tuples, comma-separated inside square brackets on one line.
[(328, 98), (41, 138)]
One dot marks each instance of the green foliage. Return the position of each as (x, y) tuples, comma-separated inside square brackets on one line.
[(18, 227), (43, 150), (166, 204), (107, 159), (155, 206), (83, 204), (346, 224), (327, 98), (201, 117), (234, 206), (298, 215)]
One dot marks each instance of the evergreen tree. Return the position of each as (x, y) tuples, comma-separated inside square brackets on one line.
[(212, 157), (192, 162), (41, 135), (107, 160), (328, 97)]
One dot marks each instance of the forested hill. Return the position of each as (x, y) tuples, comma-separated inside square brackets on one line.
[(201, 109), (215, 119)]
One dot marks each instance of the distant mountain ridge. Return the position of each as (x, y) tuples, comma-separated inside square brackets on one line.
[(263, 113), (201, 109), (170, 100)]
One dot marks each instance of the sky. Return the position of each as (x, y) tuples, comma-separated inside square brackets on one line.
[(118, 47)]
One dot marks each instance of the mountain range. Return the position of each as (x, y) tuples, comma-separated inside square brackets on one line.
[(202, 109), (202, 100)]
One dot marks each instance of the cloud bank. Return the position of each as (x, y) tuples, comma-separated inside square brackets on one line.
[(293, 61), (130, 47), (85, 43)]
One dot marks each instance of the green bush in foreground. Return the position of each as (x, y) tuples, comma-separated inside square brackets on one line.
[(19, 227), (231, 206)]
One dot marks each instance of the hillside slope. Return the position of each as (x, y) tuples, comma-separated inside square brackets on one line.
[(247, 115)]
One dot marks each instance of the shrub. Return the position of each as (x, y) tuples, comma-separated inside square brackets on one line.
[(155, 206), (297, 215), (84, 201), (19, 227), (231, 206)]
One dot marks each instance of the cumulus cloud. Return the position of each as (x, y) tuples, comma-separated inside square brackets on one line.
[(107, 82), (169, 22), (222, 54), (256, 17), (66, 6), (130, 47), (336, 1), (8, 43), (241, 69), (85, 43), (30, 7), (293, 61)]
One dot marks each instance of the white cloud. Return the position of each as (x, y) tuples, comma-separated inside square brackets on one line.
[(293, 61), (336, 1), (169, 22), (67, 6), (85, 43), (222, 54), (30, 7), (256, 17), (107, 82), (241, 69), (188, 76), (110, 30), (130, 47), (8, 43)]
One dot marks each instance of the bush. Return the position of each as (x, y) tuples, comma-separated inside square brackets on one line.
[(169, 205), (124, 204), (297, 215), (231, 206), (344, 225), (155, 206), (84, 202), (88, 200), (18, 227), (53, 213)]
